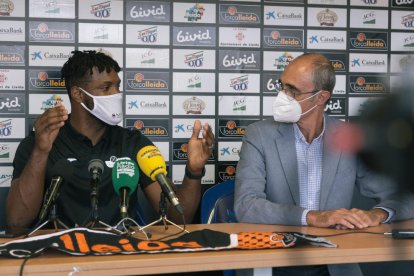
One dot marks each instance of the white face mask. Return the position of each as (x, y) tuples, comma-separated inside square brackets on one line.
[(106, 108), (287, 109)]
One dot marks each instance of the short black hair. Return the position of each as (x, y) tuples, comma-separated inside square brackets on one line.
[(75, 69)]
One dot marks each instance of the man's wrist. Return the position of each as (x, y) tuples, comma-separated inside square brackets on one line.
[(197, 176)]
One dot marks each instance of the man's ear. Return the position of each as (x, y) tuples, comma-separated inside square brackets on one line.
[(324, 97), (76, 94)]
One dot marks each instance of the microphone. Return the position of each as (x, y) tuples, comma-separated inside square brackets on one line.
[(125, 175), (153, 165), (96, 168), (61, 171)]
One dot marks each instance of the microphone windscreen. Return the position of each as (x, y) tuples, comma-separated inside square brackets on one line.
[(96, 164), (125, 174), (151, 162), (62, 168)]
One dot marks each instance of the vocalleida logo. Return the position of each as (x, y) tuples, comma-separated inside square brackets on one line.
[(180, 151), (367, 84), (338, 61), (149, 127), (233, 128), (6, 7), (239, 14), (283, 38), (335, 106), (194, 105), (47, 80), (153, 81), (368, 40), (327, 18), (226, 172), (6, 128), (195, 13), (102, 9), (11, 58), (44, 33)]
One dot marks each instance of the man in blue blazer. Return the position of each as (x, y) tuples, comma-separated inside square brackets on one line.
[(288, 174)]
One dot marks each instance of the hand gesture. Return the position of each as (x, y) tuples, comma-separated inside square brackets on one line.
[(199, 149)]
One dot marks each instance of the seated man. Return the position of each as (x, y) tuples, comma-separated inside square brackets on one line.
[(91, 131), (287, 174)]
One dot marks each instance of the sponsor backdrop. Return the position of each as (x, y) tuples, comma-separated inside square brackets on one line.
[(216, 61)]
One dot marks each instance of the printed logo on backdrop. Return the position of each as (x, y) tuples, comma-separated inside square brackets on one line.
[(283, 16), (233, 128), (49, 55), (340, 85), (237, 83), (50, 79), (239, 105), (52, 8), (285, 38), (377, 3), (12, 55), (277, 61), (183, 128), (194, 82), (6, 176), (357, 104), (368, 41), (101, 10), (370, 19), (329, 2), (402, 41), (194, 36), (229, 151), (239, 37), (8, 151), (402, 3), (149, 127), (285, 1), (13, 103), (63, 32), (336, 106), (324, 17), (155, 11), (12, 30), (367, 84), (180, 152), (6, 7), (194, 105), (239, 14), (147, 58), (146, 105), (194, 59), (11, 128), (402, 20), (51, 102), (12, 79), (269, 80), (338, 61), (39, 103), (318, 39), (101, 33), (147, 81), (226, 172), (400, 63), (239, 60), (372, 63), (194, 13), (148, 34)]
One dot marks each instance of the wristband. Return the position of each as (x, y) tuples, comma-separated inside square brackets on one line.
[(188, 174)]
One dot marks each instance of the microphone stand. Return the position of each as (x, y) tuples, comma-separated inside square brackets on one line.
[(53, 218), (163, 216)]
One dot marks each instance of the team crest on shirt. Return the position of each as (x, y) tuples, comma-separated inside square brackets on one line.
[(110, 163)]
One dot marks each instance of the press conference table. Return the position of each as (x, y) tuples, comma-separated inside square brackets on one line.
[(351, 248)]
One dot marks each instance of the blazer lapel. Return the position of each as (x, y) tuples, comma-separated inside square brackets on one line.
[(285, 144), (330, 162)]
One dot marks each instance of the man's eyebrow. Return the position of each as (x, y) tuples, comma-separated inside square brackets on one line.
[(290, 86)]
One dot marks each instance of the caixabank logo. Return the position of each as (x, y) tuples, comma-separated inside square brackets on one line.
[(149, 127), (239, 14), (364, 84), (147, 81), (233, 128), (336, 106), (12, 55), (368, 41), (50, 79), (282, 38), (226, 171)]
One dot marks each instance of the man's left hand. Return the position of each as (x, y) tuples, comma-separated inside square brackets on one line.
[(199, 149)]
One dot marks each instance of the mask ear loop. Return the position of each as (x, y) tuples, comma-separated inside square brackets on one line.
[(309, 110)]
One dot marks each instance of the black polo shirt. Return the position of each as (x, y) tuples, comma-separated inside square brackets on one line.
[(73, 204)]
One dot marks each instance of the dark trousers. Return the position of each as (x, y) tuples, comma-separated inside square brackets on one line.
[(308, 270)]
